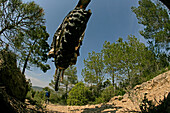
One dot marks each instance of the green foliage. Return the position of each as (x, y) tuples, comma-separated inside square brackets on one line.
[(39, 96), (69, 80), (17, 18), (22, 25), (120, 98), (71, 76), (156, 20), (154, 74), (93, 72), (94, 67), (120, 91), (96, 90), (127, 60), (79, 95), (35, 51), (128, 63), (54, 98), (47, 89), (36, 98), (106, 83), (99, 100), (29, 95), (108, 93)]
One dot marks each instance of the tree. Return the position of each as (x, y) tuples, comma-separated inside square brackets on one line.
[(156, 21), (35, 52), (93, 72), (127, 59), (17, 19), (79, 95), (112, 55), (141, 59), (108, 93), (70, 78), (106, 83), (22, 28)]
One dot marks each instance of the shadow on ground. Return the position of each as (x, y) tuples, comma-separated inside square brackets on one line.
[(105, 108)]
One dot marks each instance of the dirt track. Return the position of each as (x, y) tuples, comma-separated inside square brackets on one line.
[(82, 109)]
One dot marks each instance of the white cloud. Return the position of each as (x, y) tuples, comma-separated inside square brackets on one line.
[(37, 82)]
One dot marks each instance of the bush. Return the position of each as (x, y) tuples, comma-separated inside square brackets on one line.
[(99, 100), (29, 95), (79, 95), (39, 99), (54, 98), (39, 96), (108, 93)]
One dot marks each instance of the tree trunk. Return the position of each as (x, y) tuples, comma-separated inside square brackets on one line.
[(129, 79), (113, 80), (26, 61), (66, 91)]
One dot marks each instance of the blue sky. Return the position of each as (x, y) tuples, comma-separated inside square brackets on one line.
[(110, 20)]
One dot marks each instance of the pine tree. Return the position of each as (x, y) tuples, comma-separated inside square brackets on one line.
[(156, 21), (22, 28), (69, 80), (128, 60)]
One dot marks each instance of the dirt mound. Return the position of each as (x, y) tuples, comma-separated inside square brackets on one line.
[(11, 77), (154, 90), (10, 104)]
